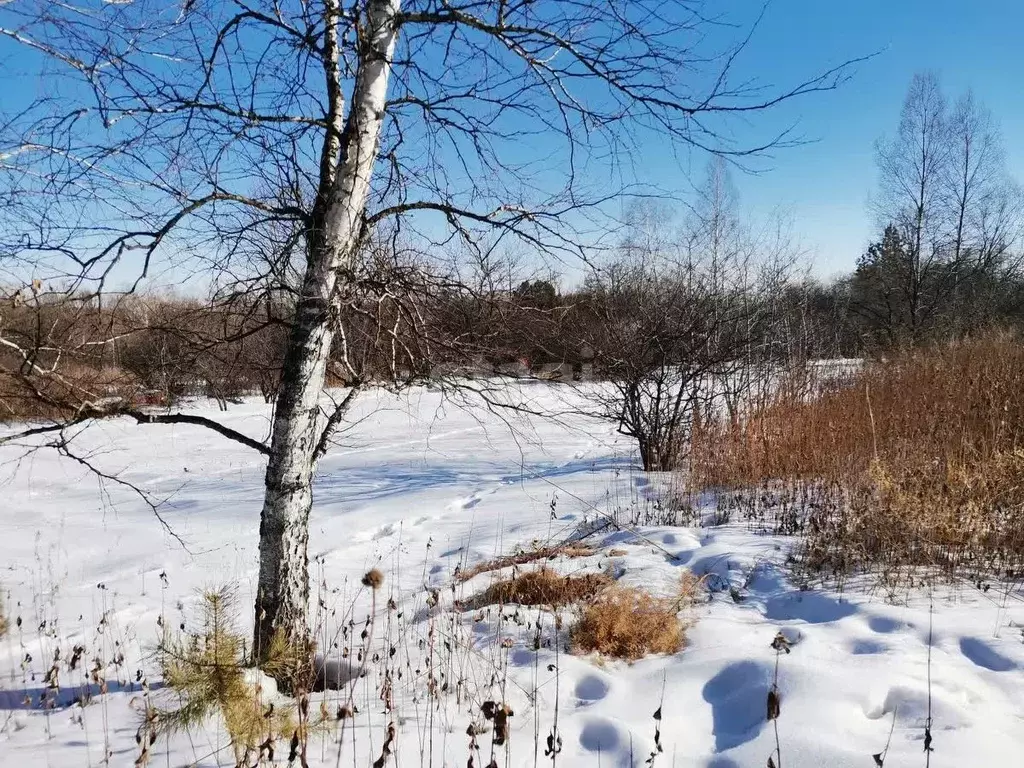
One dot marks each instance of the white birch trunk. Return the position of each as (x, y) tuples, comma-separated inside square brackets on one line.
[(283, 588)]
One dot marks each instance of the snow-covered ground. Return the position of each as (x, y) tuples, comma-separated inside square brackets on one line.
[(418, 488)]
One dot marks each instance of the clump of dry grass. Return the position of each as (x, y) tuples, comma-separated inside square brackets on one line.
[(628, 623), (3, 617), (536, 554), (542, 587), (915, 462), (955, 402), (613, 620)]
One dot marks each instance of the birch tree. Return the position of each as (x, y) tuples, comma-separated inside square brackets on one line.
[(173, 135)]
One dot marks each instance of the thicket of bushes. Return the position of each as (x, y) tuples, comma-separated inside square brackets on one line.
[(66, 352), (63, 353), (61, 350)]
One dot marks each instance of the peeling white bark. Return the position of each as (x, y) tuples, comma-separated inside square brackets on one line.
[(283, 590)]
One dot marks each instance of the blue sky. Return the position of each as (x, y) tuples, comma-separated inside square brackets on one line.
[(826, 185)]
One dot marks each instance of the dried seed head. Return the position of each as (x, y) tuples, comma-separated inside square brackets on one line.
[(373, 578)]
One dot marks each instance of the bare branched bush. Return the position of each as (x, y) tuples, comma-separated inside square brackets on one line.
[(62, 354), (682, 323)]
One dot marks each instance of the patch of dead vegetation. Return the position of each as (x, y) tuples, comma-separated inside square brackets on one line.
[(570, 551), (628, 623), (625, 622), (910, 468), (542, 587)]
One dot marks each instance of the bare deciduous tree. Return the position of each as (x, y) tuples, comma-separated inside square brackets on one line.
[(981, 204), (951, 215), (679, 323), (912, 165)]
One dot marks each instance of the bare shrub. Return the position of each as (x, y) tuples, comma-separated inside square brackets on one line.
[(56, 356), (680, 323), (61, 397), (63, 354)]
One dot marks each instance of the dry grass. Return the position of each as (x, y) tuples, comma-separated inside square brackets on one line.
[(542, 587), (692, 589), (917, 462), (525, 557), (958, 402), (3, 617), (629, 623), (614, 620)]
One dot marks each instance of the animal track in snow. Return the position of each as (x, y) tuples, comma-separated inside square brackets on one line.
[(384, 531), (737, 695), (883, 624), (984, 655), (867, 647), (591, 688), (910, 703), (601, 735), (812, 607), (467, 503), (472, 500), (523, 657)]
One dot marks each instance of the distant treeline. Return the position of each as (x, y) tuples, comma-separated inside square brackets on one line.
[(61, 351)]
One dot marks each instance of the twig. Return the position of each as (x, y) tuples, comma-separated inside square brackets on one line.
[(879, 757), (62, 447), (928, 723), (871, 416)]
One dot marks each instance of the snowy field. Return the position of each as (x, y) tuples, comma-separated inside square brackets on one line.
[(417, 489)]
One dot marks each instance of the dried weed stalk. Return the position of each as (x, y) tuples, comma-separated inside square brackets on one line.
[(522, 558)]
